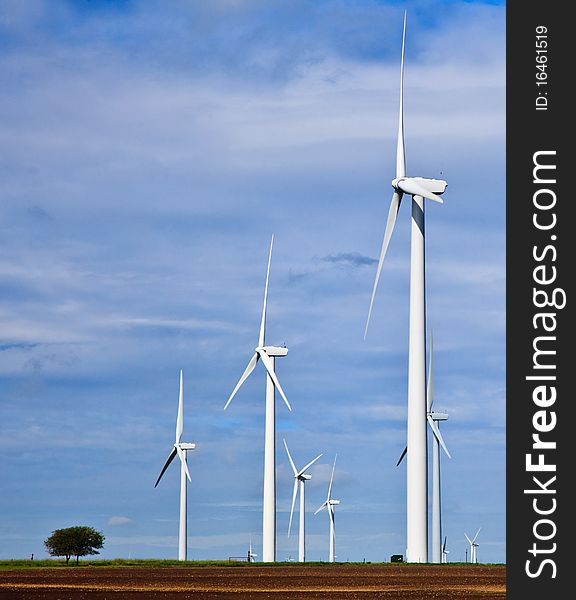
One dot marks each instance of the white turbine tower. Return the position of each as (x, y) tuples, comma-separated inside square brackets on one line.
[(445, 552), (181, 449), (267, 354), (416, 479), (434, 419), (300, 477), (330, 504), (473, 546)]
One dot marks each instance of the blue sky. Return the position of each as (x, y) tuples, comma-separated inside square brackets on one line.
[(148, 151)]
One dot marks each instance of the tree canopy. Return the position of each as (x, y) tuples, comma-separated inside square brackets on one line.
[(74, 541)]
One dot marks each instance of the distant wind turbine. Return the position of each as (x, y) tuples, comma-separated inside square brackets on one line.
[(251, 555), (267, 354), (445, 552), (330, 505), (434, 419), (180, 449), (300, 477), (416, 469), (473, 546)]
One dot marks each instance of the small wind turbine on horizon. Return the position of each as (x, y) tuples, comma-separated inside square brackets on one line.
[(180, 449), (416, 469), (329, 504), (267, 354), (445, 552), (434, 419), (251, 555), (300, 478), (473, 546)]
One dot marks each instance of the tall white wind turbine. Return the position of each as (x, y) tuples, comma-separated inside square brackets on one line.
[(268, 355), (473, 546), (329, 504), (416, 480), (180, 449), (300, 478), (434, 419)]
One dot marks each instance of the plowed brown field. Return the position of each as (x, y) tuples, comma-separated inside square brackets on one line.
[(334, 582)]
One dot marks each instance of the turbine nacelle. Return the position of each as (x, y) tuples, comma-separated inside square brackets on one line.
[(185, 446), (272, 350), (436, 186), (419, 186), (438, 416)]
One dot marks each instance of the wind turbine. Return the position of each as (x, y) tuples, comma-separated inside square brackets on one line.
[(416, 479), (329, 504), (445, 552), (300, 477), (267, 354), (180, 449), (251, 555), (434, 419), (473, 546)]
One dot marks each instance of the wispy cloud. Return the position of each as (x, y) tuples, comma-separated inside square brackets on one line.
[(352, 259), (120, 521)]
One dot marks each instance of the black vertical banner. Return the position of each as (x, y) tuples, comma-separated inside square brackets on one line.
[(541, 266)]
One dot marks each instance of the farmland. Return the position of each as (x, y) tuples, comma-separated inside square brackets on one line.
[(280, 582)]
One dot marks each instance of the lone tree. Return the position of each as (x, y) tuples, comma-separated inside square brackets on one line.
[(74, 541)]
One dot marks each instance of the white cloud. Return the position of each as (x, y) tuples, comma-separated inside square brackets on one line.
[(119, 521)]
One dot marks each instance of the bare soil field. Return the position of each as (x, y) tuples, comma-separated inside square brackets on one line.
[(336, 582)]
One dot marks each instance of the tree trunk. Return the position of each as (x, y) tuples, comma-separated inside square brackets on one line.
[(67, 559)]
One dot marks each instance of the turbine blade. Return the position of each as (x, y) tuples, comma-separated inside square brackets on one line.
[(166, 465), (270, 369), (322, 507), (294, 469), (402, 456), (245, 376), (294, 493), (400, 150), (331, 479), (392, 214), (469, 540), (263, 321), (182, 457), (444, 545), (412, 187), (430, 386), (437, 434), (476, 535), (180, 419), (308, 465)]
